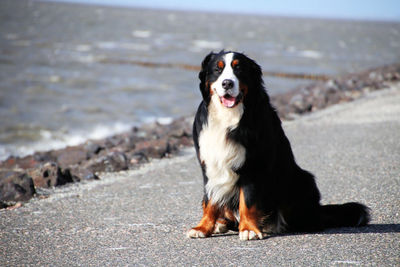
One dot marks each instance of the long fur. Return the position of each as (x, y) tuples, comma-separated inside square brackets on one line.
[(244, 150)]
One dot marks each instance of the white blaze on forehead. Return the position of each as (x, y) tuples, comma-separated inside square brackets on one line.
[(227, 74)]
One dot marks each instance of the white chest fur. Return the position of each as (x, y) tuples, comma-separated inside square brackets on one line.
[(220, 154)]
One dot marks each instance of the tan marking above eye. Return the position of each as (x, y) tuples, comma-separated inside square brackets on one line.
[(220, 64), (235, 62)]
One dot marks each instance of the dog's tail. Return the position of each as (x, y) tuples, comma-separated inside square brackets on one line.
[(344, 215)]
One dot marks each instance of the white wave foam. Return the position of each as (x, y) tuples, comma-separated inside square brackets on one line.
[(141, 34), (101, 131), (135, 46), (304, 53), (57, 140), (310, 54), (107, 45), (160, 120), (204, 44), (127, 46), (83, 48)]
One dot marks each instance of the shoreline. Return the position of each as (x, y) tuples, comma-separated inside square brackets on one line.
[(22, 178)]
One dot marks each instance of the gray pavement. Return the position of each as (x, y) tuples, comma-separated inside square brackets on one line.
[(141, 217)]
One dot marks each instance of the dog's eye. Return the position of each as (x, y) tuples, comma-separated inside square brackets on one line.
[(220, 66), (235, 64)]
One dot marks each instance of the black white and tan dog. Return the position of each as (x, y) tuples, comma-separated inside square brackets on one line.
[(252, 183)]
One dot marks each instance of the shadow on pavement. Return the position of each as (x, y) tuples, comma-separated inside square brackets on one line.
[(368, 229)]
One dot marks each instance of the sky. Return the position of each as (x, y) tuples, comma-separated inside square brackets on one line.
[(387, 10)]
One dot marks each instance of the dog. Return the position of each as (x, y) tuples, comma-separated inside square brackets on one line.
[(252, 183)]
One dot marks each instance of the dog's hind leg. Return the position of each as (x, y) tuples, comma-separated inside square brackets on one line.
[(221, 227), (226, 223)]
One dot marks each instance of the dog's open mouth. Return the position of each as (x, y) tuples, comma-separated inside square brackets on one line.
[(230, 101)]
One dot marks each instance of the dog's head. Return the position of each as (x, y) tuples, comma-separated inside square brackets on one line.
[(231, 76)]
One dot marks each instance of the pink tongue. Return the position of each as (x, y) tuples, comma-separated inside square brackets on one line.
[(228, 101)]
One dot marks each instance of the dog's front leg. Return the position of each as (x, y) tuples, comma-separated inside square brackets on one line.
[(250, 218), (205, 228)]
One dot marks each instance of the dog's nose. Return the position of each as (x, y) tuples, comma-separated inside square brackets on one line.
[(227, 84)]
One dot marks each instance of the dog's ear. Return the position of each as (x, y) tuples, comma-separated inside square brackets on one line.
[(205, 92), (255, 70), (255, 81)]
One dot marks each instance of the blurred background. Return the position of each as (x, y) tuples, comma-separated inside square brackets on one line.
[(77, 70)]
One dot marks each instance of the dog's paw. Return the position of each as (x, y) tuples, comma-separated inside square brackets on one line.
[(250, 235), (220, 228), (193, 233)]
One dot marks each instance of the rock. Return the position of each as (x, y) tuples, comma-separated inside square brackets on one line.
[(297, 102), (331, 84), (155, 148), (332, 96), (92, 149), (113, 141), (79, 173), (319, 95), (112, 162), (15, 206), (15, 186), (181, 127), (185, 141), (20, 163), (129, 143), (43, 157), (49, 175), (70, 156), (137, 158), (3, 205), (9, 163), (139, 133)]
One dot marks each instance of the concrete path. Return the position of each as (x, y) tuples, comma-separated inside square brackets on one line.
[(141, 217)]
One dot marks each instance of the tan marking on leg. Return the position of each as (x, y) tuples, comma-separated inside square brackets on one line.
[(206, 225), (249, 220), (220, 227), (222, 222), (229, 215)]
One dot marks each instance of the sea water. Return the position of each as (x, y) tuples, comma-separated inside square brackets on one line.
[(68, 72)]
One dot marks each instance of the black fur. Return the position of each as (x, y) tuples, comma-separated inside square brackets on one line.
[(270, 177)]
